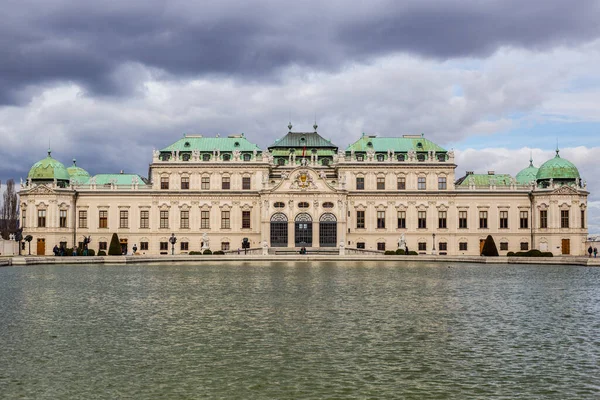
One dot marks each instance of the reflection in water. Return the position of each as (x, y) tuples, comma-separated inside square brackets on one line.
[(356, 330)]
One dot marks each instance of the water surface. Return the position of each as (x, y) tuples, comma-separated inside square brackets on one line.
[(300, 331)]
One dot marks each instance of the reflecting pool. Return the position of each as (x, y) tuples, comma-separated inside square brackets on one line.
[(300, 331)]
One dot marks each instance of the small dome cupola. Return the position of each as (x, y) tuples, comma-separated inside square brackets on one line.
[(78, 174), (47, 170), (527, 175), (558, 169)]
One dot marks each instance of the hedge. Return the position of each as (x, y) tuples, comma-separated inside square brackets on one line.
[(207, 251), (530, 253), (195, 253)]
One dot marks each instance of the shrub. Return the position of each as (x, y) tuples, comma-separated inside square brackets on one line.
[(534, 253), (400, 252), (115, 247), (101, 253), (68, 251), (219, 252), (510, 254), (390, 253), (91, 252), (413, 253), (195, 253), (547, 254), (207, 251), (489, 247)]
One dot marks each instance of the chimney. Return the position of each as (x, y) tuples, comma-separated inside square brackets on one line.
[(491, 173)]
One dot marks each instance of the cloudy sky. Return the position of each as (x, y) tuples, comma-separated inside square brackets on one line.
[(106, 82)]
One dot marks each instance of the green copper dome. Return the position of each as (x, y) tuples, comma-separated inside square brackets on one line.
[(48, 169), (557, 168), (525, 176), (78, 174)]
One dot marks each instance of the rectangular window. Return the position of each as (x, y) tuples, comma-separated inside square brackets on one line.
[(503, 219), (185, 182), (523, 220), (164, 182), (144, 219), (245, 219), (422, 246), (246, 183), (224, 246), (185, 246), (421, 183), (205, 183), (401, 183), (185, 219), (442, 183), (582, 219), (524, 246), (380, 219), (442, 221), (144, 246), (83, 219), (204, 219), (360, 219), (422, 219), (41, 218), (360, 245), (462, 219), (123, 219), (483, 219), (103, 219), (462, 246), (564, 218), (381, 246), (102, 246), (164, 246), (543, 218), (23, 218), (226, 183), (62, 218), (504, 246), (443, 246), (164, 219), (360, 183), (225, 221), (380, 183), (401, 219)]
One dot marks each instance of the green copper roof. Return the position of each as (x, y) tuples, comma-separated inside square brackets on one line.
[(397, 144), (557, 168), (286, 152), (301, 140), (78, 174), (484, 180), (48, 169), (118, 179), (525, 176), (204, 144)]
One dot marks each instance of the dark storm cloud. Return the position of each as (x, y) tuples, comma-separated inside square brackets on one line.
[(86, 42)]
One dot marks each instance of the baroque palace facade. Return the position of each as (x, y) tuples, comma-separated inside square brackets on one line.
[(378, 194)]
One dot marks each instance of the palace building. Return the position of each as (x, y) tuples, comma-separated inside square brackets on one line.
[(303, 191)]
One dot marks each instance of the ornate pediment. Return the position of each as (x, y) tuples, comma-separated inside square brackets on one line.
[(565, 190), (304, 179), (41, 190)]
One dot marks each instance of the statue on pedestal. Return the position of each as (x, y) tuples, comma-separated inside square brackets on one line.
[(205, 241)]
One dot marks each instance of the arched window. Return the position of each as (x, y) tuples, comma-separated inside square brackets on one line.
[(165, 157), (400, 157), (380, 157), (226, 157), (328, 230), (205, 157), (246, 157), (185, 157)]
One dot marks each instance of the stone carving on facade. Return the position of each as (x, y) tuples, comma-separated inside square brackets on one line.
[(322, 175), (411, 155), (236, 155), (303, 181), (370, 154)]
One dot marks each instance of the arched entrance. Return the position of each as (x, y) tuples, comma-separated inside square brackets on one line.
[(327, 230), (303, 230), (279, 230)]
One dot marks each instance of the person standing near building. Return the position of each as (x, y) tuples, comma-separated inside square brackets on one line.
[(595, 252), (590, 251)]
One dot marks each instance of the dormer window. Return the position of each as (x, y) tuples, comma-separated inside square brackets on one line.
[(186, 144), (246, 157), (400, 157), (165, 157), (302, 139), (419, 145), (314, 151), (360, 157), (325, 161), (281, 161), (185, 157), (421, 157), (370, 144), (236, 144), (226, 157), (205, 157), (441, 157), (380, 157)]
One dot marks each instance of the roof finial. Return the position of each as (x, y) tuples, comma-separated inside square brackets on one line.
[(557, 150), (531, 158), (315, 126), (74, 162), (290, 126)]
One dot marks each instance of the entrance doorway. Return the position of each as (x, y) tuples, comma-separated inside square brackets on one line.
[(303, 230), (481, 243), (123, 243), (327, 230), (566, 246), (279, 230), (41, 247)]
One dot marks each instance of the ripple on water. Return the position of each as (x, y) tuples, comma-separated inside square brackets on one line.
[(300, 331)]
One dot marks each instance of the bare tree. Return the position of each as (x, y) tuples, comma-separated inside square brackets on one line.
[(9, 212)]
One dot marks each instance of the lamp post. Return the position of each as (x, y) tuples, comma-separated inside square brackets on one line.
[(433, 250), (172, 240)]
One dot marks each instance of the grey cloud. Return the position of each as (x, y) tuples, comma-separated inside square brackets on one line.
[(88, 42)]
